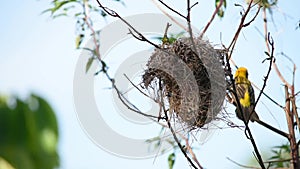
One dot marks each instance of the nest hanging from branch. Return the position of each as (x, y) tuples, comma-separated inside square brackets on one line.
[(192, 81)]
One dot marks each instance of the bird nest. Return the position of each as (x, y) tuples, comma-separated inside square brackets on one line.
[(190, 78)]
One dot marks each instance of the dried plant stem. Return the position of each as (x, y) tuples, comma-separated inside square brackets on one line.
[(290, 123), (290, 113), (189, 148), (268, 50), (86, 20)]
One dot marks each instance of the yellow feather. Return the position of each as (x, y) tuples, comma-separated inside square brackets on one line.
[(245, 102)]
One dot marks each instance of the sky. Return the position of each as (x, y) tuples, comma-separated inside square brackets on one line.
[(38, 55)]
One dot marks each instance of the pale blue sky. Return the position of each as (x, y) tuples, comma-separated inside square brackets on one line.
[(38, 55)]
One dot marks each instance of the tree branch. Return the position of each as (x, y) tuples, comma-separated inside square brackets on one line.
[(290, 123), (169, 16), (139, 36), (174, 134), (212, 18), (268, 49), (171, 9), (247, 129)]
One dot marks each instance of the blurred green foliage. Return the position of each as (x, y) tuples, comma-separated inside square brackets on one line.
[(280, 156), (29, 133), (171, 37)]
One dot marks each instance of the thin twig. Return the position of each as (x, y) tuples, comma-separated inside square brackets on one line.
[(138, 88), (257, 12), (171, 9), (169, 16), (241, 165), (272, 100), (268, 50), (188, 19), (174, 133), (126, 102), (270, 58), (212, 18), (103, 69), (188, 147), (139, 36), (86, 20), (294, 107), (239, 107), (241, 26)]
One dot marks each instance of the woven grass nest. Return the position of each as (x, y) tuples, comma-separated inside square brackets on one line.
[(191, 82)]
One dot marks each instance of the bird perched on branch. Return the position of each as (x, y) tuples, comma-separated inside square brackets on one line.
[(245, 95), (246, 98)]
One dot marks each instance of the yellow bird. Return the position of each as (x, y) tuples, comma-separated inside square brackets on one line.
[(245, 94)]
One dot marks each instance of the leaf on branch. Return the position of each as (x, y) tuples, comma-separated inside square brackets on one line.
[(58, 5), (221, 10), (89, 64), (172, 37), (103, 14), (267, 53), (171, 160), (78, 41)]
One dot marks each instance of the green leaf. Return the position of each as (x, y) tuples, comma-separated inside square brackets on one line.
[(59, 15), (220, 13), (58, 5), (171, 160), (29, 134), (89, 64), (172, 37), (103, 14), (221, 10)]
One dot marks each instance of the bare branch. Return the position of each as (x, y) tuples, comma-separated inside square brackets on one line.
[(169, 16), (257, 12), (295, 112), (188, 147), (138, 88), (268, 49), (272, 100), (171, 9), (140, 36), (241, 165), (188, 19), (290, 124), (239, 107), (174, 133), (271, 56), (212, 18), (86, 20), (241, 26)]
